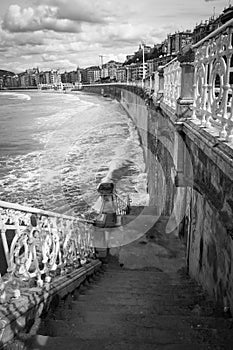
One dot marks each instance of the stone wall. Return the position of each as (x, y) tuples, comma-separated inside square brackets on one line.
[(210, 222)]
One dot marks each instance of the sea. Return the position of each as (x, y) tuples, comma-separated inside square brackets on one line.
[(55, 148)]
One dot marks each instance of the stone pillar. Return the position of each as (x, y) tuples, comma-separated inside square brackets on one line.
[(184, 168), (185, 101), (157, 96), (161, 80)]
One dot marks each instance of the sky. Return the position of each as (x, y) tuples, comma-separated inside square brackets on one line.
[(64, 34)]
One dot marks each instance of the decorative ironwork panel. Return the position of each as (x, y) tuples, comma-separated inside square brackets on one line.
[(122, 205), (172, 83), (156, 83), (213, 82), (44, 244)]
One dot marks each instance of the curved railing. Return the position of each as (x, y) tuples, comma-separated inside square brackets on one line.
[(213, 81), (39, 244)]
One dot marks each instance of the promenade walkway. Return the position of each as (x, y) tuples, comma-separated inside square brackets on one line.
[(131, 307)]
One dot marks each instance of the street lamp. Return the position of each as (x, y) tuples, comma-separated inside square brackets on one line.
[(143, 65)]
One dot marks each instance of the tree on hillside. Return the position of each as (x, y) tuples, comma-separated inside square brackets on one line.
[(5, 72)]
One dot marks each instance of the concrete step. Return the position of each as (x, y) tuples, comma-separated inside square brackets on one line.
[(60, 343), (101, 326), (171, 289), (89, 318), (170, 293), (155, 309), (137, 302)]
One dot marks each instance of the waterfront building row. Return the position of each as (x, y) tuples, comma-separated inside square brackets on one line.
[(138, 66)]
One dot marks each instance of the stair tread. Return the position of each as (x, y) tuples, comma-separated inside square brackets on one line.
[(145, 319), (60, 343)]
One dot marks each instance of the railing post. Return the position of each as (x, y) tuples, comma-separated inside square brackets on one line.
[(185, 101), (150, 83), (161, 80), (158, 86)]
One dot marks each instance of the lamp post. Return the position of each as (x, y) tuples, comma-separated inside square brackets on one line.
[(101, 66), (143, 65)]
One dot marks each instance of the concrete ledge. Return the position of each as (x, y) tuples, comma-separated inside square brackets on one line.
[(170, 113), (16, 316), (218, 151)]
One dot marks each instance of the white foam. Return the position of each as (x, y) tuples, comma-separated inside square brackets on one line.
[(16, 96), (79, 141)]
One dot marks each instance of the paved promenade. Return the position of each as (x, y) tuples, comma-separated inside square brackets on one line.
[(145, 308)]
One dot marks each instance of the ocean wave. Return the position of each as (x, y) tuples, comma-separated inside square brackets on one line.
[(16, 96), (78, 146), (74, 96)]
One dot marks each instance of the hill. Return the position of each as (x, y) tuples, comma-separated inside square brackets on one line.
[(5, 72)]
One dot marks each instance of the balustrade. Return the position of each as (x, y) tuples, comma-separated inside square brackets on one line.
[(172, 83), (122, 205), (44, 244), (213, 82), (156, 83)]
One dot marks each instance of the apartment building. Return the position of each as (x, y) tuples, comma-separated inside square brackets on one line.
[(92, 74)]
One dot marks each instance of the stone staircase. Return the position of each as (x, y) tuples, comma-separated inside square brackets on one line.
[(135, 309), (141, 299)]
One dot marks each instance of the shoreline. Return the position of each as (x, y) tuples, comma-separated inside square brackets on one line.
[(20, 88)]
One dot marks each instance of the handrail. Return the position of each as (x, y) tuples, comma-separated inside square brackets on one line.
[(214, 33), (32, 210), (170, 62)]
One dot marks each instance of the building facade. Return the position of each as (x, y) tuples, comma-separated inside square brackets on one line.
[(177, 41), (92, 74), (121, 74)]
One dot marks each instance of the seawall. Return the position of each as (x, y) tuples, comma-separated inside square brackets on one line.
[(190, 181)]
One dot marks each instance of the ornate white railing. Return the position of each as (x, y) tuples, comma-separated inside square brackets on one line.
[(156, 83), (213, 81), (135, 83), (122, 205), (172, 83), (44, 244), (147, 84)]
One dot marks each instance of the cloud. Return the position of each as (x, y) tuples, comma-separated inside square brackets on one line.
[(60, 64), (24, 42), (78, 11), (91, 11), (49, 58), (47, 32), (30, 19)]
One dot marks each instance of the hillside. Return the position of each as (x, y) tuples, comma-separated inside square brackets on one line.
[(5, 72)]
